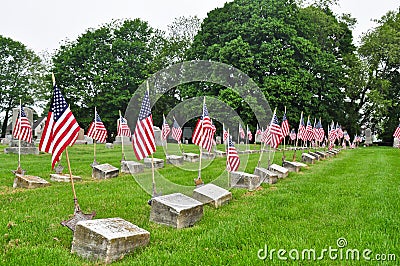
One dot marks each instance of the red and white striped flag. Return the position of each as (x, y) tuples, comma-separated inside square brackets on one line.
[(309, 133), (232, 157), (249, 135), (22, 129), (61, 128), (276, 132), (301, 132), (143, 137), (241, 132), (285, 126), (396, 133), (258, 131), (123, 128), (165, 130), (176, 131), (224, 133), (97, 130), (292, 134), (203, 132)]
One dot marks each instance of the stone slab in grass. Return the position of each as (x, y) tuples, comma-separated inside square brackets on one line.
[(176, 210), (244, 180), (23, 150), (29, 181), (266, 175), (174, 159), (212, 195), (157, 162), (292, 166), (190, 157), (208, 155), (104, 171), (316, 155), (308, 158), (281, 171), (220, 153), (131, 167), (64, 178), (322, 154), (107, 240)]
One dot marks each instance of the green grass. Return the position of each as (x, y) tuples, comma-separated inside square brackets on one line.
[(354, 195)]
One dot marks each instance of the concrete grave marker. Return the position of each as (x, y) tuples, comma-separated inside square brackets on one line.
[(308, 158), (131, 167), (317, 156), (107, 240), (157, 162), (104, 171), (212, 195), (396, 143), (26, 148), (157, 136), (176, 210), (293, 166), (174, 159), (208, 155), (220, 154), (281, 171), (266, 175), (29, 181), (64, 178), (244, 180), (190, 157), (321, 154), (368, 137), (119, 139)]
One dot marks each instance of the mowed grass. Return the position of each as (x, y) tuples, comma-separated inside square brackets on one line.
[(353, 196)]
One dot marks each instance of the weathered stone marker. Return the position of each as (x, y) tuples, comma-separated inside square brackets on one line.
[(64, 178), (157, 162), (220, 154), (29, 181), (281, 171), (266, 175), (131, 167), (107, 240), (396, 143), (109, 146), (174, 159), (308, 158), (104, 171), (317, 156), (321, 154), (212, 195), (244, 180), (293, 166), (190, 157), (208, 155), (119, 139), (176, 210), (26, 148), (368, 137)]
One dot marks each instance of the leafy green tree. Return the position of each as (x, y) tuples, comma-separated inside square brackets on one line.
[(21, 77), (104, 67)]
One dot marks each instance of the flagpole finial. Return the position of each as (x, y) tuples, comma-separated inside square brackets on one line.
[(53, 78)]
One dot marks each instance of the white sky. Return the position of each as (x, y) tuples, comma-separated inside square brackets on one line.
[(44, 24)]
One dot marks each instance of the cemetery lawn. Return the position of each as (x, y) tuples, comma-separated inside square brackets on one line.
[(355, 196)]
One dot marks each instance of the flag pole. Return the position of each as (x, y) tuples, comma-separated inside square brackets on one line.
[(269, 150), (72, 180), (247, 137), (227, 156), (94, 140), (284, 145), (179, 141), (199, 181), (152, 176), (297, 138), (166, 146), (19, 138), (238, 134), (122, 139)]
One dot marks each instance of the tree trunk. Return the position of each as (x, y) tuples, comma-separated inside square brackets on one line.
[(5, 123)]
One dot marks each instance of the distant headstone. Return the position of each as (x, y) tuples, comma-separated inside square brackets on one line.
[(29, 181), (157, 136), (157, 162), (109, 146), (104, 171), (187, 133), (291, 166), (212, 195), (131, 167), (120, 139), (64, 178), (308, 158), (190, 157), (218, 140), (26, 148), (244, 180), (107, 240), (176, 210), (281, 171), (5, 141), (174, 159), (396, 143), (368, 136), (266, 175), (81, 134), (208, 155), (316, 155), (220, 154), (88, 140)]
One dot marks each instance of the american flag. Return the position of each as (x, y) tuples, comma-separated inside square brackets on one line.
[(276, 132), (203, 132), (165, 130), (143, 137), (123, 128), (232, 158), (176, 131), (22, 129), (396, 133), (285, 126), (258, 131), (302, 129), (61, 128), (249, 135), (319, 131), (224, 133), (266, 137), (309, 133), (346, 136), (97, 130), (292, 134), (339, 131), (332, 135), (241, 131)]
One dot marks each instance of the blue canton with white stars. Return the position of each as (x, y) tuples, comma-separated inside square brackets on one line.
[(145, 110), (59, 104)]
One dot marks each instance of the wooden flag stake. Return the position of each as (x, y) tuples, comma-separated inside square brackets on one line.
[(297, 138), (284, 145), (122, 139)]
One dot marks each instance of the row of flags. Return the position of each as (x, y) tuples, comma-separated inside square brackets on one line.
[(176, 132)]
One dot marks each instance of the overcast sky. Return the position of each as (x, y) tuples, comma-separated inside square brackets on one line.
[(44, 24)]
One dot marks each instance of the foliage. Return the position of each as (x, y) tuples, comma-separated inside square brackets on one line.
[(21, 77)]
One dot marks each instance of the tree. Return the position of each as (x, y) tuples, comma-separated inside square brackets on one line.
[(21, 77), (380, 53), (104, 67)]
